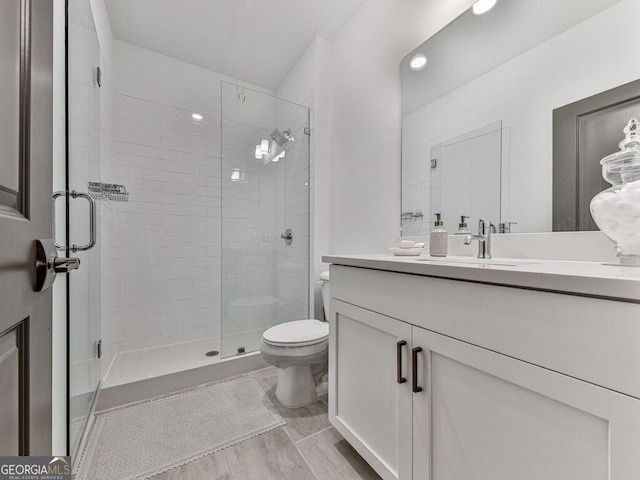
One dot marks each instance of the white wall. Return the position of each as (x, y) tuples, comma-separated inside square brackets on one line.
[(166, 238), (103, 29), (365, 116), (352, 85), (150, 76)]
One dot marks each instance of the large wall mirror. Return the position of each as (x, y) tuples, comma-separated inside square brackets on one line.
[(506, 114)]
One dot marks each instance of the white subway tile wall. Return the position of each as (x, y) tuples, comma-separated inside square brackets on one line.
[(165, 242), (200, 236)]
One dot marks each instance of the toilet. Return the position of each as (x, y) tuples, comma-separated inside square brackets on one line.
[(300, 351)]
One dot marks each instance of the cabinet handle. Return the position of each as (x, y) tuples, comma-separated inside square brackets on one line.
[(414, 364), (399, 346)]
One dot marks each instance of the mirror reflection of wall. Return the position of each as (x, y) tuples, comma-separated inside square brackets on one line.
[(457, 177), (516, 64), (465, 177)]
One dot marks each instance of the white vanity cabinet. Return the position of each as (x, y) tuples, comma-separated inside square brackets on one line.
[(483, 415), (469, 408), (371, 403)]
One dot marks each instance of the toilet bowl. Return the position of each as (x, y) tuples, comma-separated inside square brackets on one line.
[(300, 351)]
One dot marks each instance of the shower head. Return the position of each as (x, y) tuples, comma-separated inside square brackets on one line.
[(278, 137), (287, 134)]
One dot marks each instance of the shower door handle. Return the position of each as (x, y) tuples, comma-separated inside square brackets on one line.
[(92, 220)]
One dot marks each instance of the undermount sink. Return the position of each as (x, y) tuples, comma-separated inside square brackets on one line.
[(472, 261)]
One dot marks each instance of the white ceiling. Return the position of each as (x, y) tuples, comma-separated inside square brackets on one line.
[(257, 41)]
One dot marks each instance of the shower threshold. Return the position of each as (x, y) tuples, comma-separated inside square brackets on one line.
[(136, 365), (140, 374)]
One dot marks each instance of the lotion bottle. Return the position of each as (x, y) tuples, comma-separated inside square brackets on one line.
[(438, 240), (463, 228)]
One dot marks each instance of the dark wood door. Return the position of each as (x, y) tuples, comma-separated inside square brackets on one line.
[(583, 133), (26, 38)]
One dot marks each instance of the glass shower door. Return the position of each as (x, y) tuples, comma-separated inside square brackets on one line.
[(265, 236), (83, 166)]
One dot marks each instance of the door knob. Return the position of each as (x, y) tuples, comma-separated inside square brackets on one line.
[(65, 264), (48, 264)]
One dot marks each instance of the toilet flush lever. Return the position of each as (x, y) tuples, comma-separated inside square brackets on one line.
[(287, 236)]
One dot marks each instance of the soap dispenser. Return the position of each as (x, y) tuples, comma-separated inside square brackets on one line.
[(463, 228), (438, 241)]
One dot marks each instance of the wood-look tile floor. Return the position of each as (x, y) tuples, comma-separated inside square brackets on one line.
[(306, 448)]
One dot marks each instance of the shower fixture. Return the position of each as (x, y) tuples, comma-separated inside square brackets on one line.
[(281, 138), (287, 134), (278, 137)]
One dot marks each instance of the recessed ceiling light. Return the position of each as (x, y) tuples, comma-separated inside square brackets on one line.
[(483, 6), (418, 62), (196, 116)]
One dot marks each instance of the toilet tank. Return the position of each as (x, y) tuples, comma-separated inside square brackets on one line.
[(326, 296)]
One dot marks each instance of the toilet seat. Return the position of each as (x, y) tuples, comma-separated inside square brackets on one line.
[(298, 333)]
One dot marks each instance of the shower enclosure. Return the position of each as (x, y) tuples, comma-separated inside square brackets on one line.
[(265, 216)]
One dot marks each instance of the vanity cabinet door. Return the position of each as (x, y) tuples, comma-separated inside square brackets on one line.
[(483, 415), (369, 404)]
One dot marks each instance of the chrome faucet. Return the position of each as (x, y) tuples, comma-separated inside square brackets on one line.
[(483, 237)]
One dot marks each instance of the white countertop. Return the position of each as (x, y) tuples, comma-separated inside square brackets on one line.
[(581, 278)]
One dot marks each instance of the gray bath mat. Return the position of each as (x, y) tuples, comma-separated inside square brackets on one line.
[(137, 442)]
